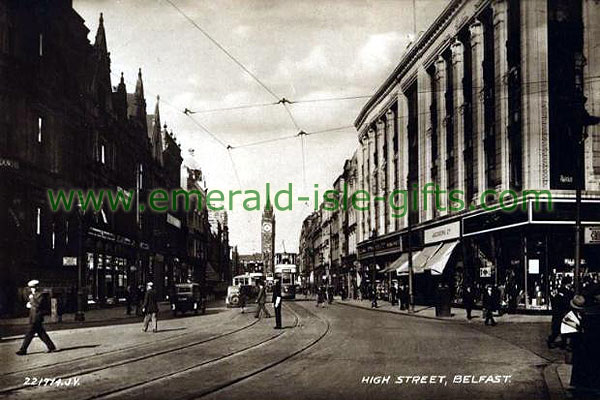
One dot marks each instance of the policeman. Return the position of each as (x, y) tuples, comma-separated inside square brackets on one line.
[(277, 304), (38, 307)]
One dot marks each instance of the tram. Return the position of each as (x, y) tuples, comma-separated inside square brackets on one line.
[(286, 274)]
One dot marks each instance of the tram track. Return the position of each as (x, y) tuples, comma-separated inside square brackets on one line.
[(130, 390), (252, 374), (219, 386), (203, 364), (76, 362), (109, 352)]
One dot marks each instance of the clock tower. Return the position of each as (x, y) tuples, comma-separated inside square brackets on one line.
[(267, 238)]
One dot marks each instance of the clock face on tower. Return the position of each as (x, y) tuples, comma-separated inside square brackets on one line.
[(266, 227)]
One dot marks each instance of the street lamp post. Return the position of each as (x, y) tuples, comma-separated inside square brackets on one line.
[(582, 121), (80, 314), (373, 282), (411, 295)]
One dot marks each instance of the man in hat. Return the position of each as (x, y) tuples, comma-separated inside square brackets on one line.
[(38, 307), (489, 305), (150, 308), (560, 307), (277, 304), (261, 300)]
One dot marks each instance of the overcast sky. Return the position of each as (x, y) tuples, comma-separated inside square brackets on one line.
[(299, 49)]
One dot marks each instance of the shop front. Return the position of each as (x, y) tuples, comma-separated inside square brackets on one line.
[(109, 259), (529, 252)]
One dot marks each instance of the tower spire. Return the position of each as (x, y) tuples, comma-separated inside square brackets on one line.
[(100, 41), (139, 100), (157, 142), (139, 86)]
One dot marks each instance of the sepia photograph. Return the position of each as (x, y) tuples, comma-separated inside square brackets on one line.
[(300, 199)]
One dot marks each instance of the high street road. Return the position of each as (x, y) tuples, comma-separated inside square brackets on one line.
[(322, 353)]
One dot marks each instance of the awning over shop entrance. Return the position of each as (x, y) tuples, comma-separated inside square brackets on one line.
[(403, 269), (397, 263), (420, 262), (437, 263)]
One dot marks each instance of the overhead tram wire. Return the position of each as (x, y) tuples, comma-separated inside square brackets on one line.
[(281, 138), (330, 99), (258, 105), (224, 50), (242, 107), (235, 171)]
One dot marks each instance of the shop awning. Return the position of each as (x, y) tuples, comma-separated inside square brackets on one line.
[(438, 262), (397, 263), (420, 262), (403, 269), (389, 268), (211, 274)]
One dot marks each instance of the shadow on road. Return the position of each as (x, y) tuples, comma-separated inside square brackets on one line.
[(170, 330), (63, 349)]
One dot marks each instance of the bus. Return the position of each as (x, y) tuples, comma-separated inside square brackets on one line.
[(239, 283), (286, 274)]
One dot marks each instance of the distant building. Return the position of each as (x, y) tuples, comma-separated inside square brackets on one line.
[(286, 258), (267, 236), (251, 263)]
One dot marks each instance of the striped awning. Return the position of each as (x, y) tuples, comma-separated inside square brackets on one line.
[(438, 262)]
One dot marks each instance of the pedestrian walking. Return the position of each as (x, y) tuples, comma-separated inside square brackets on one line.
[(373, 297), (468, 301), (129, 299), (243, 297), (261, 300), (150, 308), (393, 293), (277, 300), (39, 306), (559, 300), (489, 305), (329, 292), (139, 298), (319, 296)]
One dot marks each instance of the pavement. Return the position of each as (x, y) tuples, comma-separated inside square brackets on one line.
[(323, 353), (557, 374), (15, 328)]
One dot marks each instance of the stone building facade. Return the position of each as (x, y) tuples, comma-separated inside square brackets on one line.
[(483, 102), (64, 126)]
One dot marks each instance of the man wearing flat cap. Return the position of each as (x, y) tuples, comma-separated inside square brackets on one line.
[(150, 308), (38, 307)]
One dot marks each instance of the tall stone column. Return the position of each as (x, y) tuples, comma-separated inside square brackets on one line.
[(591, 85), (360, 217), (390, 126), (372, 189), (424, 126), (476, 31), (381, 177), (534, 89), (440, 74), (402, 164), (458, 72), (500, 8)]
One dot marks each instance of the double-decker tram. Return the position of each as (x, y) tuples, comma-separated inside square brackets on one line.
[(286, 274)]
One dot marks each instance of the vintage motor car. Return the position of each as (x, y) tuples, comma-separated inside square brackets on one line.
[(188, 297)]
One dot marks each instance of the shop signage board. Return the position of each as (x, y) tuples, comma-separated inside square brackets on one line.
[(442, 233), (173, 221), (485, 272), (534, 266), (70, 261), (592, 235)]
